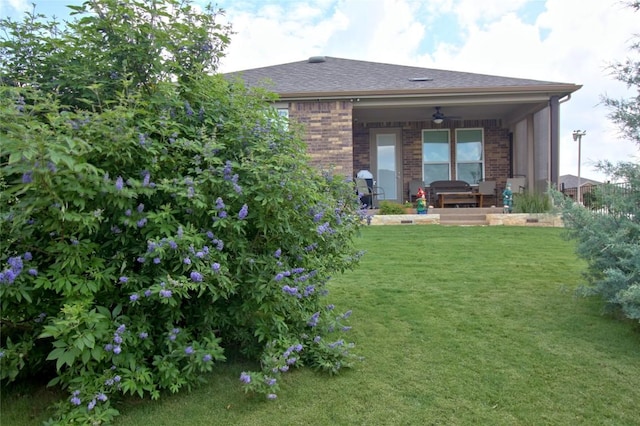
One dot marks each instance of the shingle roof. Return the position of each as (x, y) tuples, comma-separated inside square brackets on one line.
[(571, 181), (337, 75)]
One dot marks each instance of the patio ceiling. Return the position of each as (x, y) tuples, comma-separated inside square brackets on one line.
[(507, 110)]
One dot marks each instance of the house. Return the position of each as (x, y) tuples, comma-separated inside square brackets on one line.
[(408, 123), (568, 184)]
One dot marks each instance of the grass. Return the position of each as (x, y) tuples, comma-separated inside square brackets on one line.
[(458, 326)]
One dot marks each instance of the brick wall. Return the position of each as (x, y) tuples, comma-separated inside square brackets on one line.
[(328, 127)]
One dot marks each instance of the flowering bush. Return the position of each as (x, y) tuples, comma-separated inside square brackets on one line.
[(154, 215)]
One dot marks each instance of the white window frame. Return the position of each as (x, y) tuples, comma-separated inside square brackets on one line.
[(481, 162), (447, 162)]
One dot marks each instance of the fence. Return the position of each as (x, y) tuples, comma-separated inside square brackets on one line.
[(592, 196)]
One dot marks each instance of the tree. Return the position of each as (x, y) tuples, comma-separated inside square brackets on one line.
[(609, 241), (156, 216)]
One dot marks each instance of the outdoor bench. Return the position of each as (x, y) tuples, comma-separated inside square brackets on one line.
[(447, 192)]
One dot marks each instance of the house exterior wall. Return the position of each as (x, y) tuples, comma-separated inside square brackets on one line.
[(328, 133), (496, 148)]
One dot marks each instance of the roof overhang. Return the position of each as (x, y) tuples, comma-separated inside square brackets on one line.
[(505, 103)]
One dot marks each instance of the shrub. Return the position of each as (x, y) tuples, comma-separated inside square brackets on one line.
[(154, 216), (531, 203), (608, 241), (388, 207)]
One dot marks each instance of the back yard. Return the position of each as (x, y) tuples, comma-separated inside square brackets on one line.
[(457, 326)]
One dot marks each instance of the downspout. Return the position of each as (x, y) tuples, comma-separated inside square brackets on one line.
[(554, 136)]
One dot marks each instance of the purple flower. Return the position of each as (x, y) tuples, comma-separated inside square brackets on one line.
[(347, 314), (270, 381), (102, 397), (142, 139), (146, 178), (279, 276), (147, 293), (323, 228), (187, 108), (123, 279), (108, 347), (291, 361), (227, 170), (293, 291), (196, 276), (28, 256), (141, 259), (142, 222), (165, 293), (200, 254), (222, 214), (117, 349), (91, 405), (317, 339), (76, 401), (156, 260), (298, 347), (219, 204), (27, 178), (143, 335), (207, 358), (121, 329), (186, 261), (173, 244), (216, 267), (127, 212), (243, 212), (245, 378), (33, 272), (313, 321), (188, 350), (134, 297), (140, 208), (117, 339), (119, 183), (272, 396), (284, 368), (277, 254)]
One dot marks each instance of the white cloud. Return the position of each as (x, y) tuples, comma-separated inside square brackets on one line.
[(8, 7)]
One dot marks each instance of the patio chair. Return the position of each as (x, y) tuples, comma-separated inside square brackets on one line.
[(518, 184), (486, 189), (370, 193)]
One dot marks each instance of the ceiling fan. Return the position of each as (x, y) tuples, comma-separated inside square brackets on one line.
[(439, 117)]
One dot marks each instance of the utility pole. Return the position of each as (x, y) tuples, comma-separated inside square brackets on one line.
[(577, 136)]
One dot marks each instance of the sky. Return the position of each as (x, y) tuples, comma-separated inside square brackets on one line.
[(565, 41)]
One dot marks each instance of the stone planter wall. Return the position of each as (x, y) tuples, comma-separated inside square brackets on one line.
[(525, 219)]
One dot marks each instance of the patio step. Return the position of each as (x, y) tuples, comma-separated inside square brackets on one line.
[(464, 216)]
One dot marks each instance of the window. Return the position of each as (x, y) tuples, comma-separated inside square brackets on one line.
[(469, 155), (436, 155), (283, 113)]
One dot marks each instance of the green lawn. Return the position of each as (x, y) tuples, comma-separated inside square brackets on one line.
[(458, 326)]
